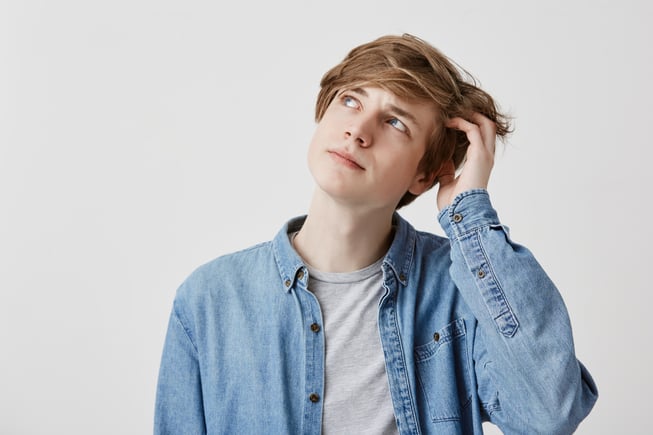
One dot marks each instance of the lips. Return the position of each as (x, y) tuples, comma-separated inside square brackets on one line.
[(345, 158)]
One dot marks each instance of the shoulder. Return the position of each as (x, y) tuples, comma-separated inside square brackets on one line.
[(429, 246), (247, 258), (411, 246), (406, 235), (426, 239), (225, 273)]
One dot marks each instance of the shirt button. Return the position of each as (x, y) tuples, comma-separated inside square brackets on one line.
[(480, 273), (313, 397), (300, 275), (436, 337), (315, 327), (457, 217)]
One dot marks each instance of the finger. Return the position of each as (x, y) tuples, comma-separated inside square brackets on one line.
[(471, 130), (463, 125), (488, 130)]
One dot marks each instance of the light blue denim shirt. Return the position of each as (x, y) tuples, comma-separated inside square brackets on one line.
[(471, 326)]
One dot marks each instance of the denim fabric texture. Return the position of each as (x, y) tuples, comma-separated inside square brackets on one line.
[(472, 330)]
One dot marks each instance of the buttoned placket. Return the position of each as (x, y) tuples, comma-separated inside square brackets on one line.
[(314, 348), (396, 369)]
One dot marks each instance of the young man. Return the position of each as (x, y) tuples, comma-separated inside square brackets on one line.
[(350, 320)]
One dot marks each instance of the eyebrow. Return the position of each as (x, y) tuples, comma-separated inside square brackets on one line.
[(396, 109)]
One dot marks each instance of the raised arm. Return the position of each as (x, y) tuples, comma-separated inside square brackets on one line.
[(527, 372)]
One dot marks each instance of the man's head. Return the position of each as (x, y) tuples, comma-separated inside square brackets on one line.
[(414, 70)]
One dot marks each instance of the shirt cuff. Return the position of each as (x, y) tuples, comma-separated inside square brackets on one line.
[(469, 211)]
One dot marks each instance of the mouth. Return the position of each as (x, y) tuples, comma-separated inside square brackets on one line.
[(345, 159)]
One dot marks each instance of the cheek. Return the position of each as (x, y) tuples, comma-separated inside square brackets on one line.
[(406, 169), (313, 151), (320, 132)]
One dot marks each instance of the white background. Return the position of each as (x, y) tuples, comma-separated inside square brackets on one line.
[(140, 139)]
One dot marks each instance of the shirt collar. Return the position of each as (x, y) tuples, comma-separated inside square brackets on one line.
[(402, 250), (288, 261), (398, 259)]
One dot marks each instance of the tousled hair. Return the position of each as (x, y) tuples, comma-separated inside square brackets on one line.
[(415, 70)]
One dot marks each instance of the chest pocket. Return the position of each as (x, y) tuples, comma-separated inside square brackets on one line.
[(443, 372)]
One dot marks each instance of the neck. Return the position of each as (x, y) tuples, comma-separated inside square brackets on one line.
[(342, 238)]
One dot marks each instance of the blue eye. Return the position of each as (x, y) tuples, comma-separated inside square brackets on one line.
[(350, 102), (398, 125)]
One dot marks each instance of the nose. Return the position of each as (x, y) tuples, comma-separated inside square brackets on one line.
[(360, 131)]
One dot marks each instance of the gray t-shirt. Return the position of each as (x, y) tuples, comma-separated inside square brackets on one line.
[(356, 393)]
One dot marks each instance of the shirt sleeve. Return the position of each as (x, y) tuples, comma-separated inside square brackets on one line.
[(179, 407), (528, 376)]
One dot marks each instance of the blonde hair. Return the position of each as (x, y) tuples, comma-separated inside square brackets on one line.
[(415, 70)]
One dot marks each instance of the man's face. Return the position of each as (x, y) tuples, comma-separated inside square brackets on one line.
[(367, 147)]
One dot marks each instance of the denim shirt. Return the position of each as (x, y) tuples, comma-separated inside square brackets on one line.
[(472, 330)]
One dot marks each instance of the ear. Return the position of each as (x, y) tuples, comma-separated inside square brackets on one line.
[(422, 183)]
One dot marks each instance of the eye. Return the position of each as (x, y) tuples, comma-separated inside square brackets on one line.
[(350, 101), (398, 125)]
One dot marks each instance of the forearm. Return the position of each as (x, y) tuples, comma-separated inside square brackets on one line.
[(524, 345)]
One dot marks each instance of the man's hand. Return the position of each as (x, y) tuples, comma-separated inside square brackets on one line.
[(481, 133)]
